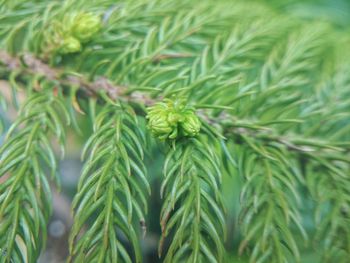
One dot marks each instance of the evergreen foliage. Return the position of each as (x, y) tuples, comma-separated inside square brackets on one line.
[(192, 203), (223, 88), (25, 193), (111, 188)]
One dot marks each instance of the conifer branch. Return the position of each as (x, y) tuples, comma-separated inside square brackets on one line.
[(192, 208), (269, 213), (25, 204), (330, 186), (27, 64), (111, 190), (225, 121)]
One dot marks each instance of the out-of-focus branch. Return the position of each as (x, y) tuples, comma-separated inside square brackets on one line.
[(29, 64)]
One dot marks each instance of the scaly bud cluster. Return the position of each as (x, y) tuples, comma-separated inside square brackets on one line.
[(69, 45), (78, 28), (85, 26), (171, 119)]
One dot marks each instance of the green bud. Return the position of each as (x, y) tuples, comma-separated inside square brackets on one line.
[(85, 26), (173, 134), (191, 125), (172, 118), (159, 125), (70, 45)]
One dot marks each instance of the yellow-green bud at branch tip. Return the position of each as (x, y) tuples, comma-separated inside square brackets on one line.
[(77, 29), (171, 119), (70, 45), (191, 124), (85, 26)]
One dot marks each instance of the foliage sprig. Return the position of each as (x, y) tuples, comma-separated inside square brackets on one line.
[(25, 195), (112, 189), (192, 208)]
